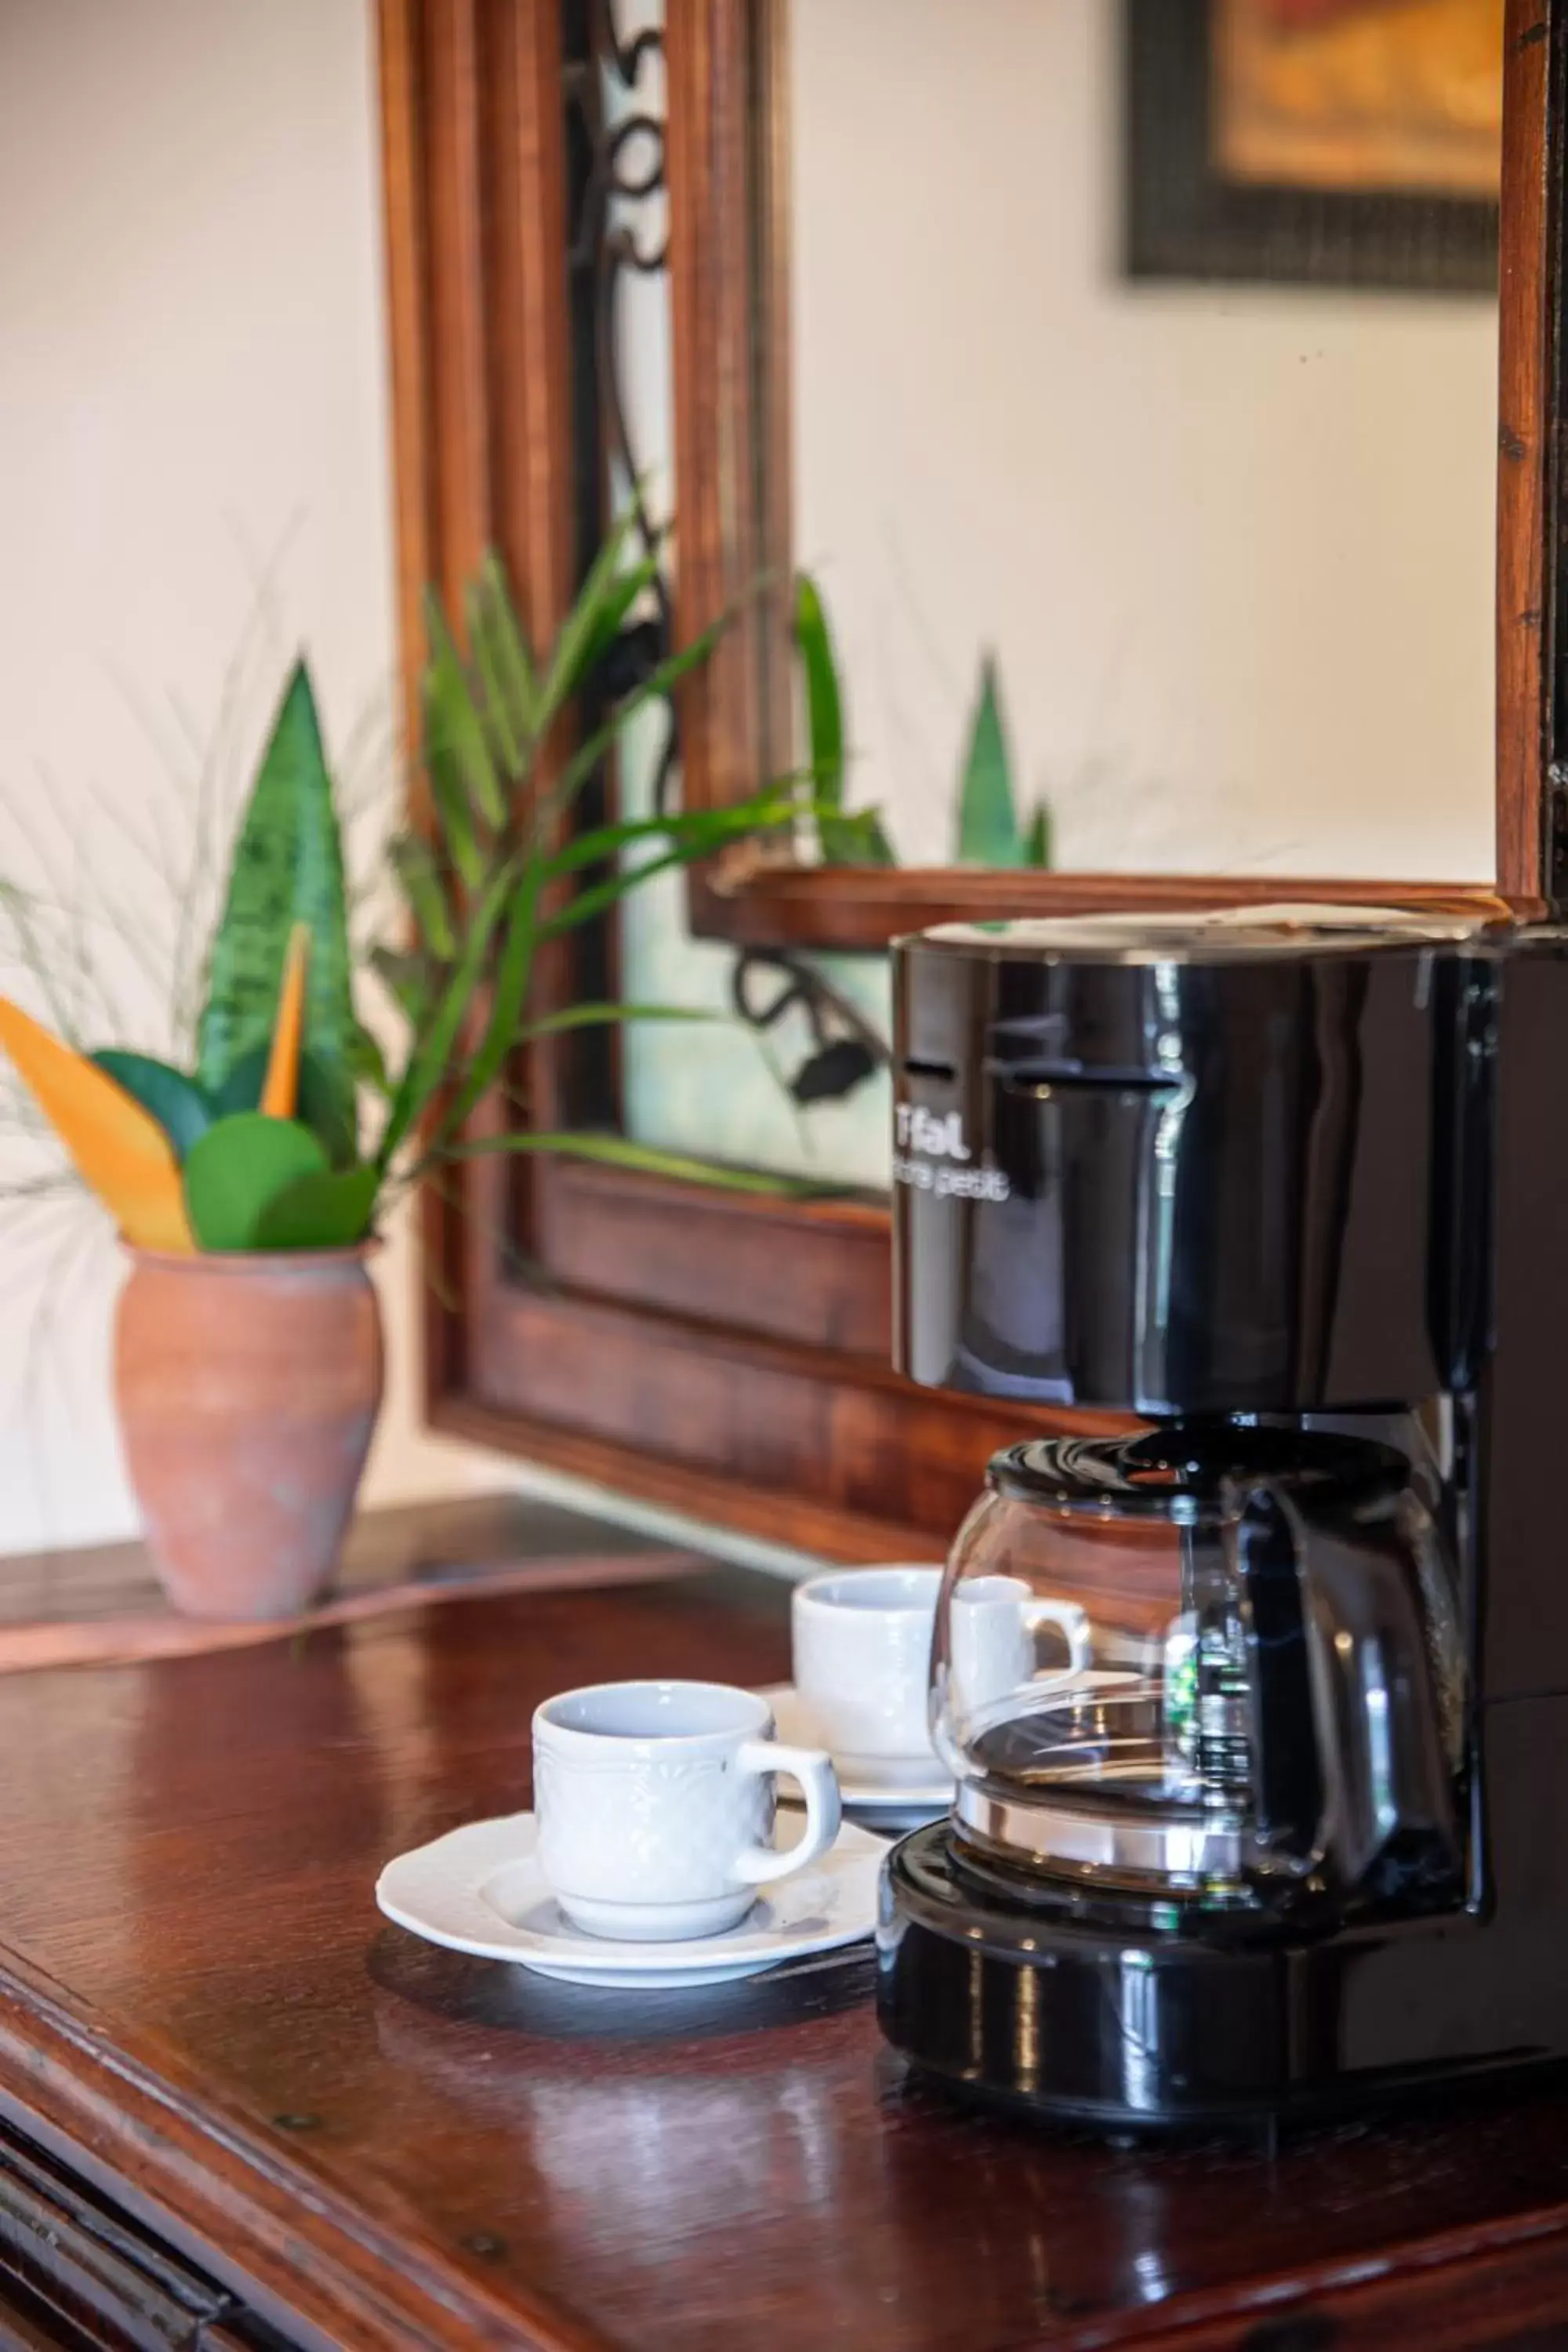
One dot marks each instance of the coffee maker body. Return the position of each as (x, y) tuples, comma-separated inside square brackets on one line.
[(1279, 1192)]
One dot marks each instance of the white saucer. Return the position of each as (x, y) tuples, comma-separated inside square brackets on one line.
[(912, 1791), (480, 1890)]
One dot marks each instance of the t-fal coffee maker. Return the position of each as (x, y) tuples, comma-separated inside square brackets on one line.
[(1254, 1683)]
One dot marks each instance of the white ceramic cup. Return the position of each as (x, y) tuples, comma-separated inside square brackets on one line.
[(992, 1621), (655, 1806), (862, 1661)]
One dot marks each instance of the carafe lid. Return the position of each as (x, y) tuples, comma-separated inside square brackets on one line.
[(1179, 1473)]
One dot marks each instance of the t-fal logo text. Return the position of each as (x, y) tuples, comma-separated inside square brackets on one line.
[(917, 1130), (929, 1155)]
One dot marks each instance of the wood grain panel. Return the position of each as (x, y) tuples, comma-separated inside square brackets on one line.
[(710, 73), (817, 1272), (785, 1441)]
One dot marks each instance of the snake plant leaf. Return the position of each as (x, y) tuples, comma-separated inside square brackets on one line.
[(241, 1091), (331, 1113), (239, 1168), (182, 1109), (1038, 839), (823, 702), (321, 1211), (119, 1151), (320, 1104), (987, 824), (287, 868)]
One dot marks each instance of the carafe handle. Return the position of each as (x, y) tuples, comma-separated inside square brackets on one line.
[(1349, 1767)]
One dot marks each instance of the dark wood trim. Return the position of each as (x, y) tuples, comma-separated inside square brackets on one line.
[(809, 905), (136, 2127), (723, 1357), (726, 292), (711, 76), (81, 2274), (473, 160), (1529, 297)]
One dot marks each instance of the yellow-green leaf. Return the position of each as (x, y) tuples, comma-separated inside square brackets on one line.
[(120, 1150)]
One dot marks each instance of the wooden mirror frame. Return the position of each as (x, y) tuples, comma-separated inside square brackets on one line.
[(729, 167), (721, 1354)]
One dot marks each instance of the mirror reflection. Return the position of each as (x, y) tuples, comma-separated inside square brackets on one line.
[(1143, 388)]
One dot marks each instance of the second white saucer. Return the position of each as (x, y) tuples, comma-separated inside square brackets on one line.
[(916, 1789)]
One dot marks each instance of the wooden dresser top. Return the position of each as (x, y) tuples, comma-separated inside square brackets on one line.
[(386, 2144)]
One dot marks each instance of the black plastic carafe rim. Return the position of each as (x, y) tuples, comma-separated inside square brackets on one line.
[(1180, 1470)]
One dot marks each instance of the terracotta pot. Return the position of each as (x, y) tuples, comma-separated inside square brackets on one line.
[(248, 1387)]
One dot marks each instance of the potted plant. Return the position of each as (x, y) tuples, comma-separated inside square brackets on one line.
[(248, 1185)]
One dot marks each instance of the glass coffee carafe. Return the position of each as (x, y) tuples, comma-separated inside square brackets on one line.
[(1212, 1663)]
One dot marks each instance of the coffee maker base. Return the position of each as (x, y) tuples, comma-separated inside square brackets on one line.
[(1128, 2030)]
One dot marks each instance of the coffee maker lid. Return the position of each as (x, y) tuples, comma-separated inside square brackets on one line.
[(1180, 1473), (1214, 934)]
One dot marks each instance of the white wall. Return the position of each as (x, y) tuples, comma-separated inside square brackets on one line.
[(1235, 548), (191, 389)]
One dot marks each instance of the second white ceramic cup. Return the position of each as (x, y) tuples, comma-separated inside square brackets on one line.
[(862, 1661), (992, 1624), (655, 1806)]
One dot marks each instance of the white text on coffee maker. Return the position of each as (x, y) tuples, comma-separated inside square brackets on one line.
[(930, 1154)]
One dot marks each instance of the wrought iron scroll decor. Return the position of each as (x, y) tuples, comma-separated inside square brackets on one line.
[(618, 229)]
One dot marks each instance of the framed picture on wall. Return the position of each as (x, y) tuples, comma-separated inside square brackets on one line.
[(1331, 142)]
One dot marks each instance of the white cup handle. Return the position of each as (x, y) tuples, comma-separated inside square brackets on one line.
[(1070, 1621), (813, 1768)]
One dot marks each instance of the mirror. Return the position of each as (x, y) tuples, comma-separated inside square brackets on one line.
[(1142, 362)]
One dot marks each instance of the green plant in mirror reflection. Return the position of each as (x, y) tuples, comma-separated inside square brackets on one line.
[(986, 826)]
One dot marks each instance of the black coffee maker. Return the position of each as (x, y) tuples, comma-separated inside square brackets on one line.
[(1254, 1685)]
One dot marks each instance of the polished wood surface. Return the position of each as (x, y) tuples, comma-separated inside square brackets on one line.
[(102, 1604), (374, 2143)]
